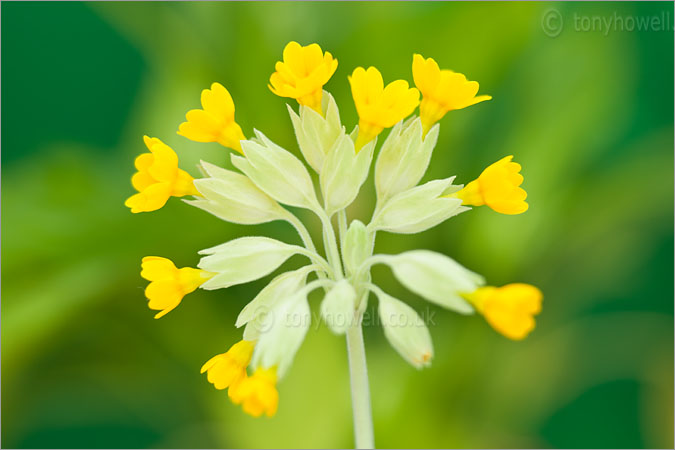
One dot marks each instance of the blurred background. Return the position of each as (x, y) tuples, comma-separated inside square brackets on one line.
[(585, 106)]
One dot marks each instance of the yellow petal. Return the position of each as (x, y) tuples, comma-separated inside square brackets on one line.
[(155, 268), (207, 123), (142, 180), (225, 372), (379, 107), (150, 199), (426, 74), (144, 161), (195, 132), (210, 363), (257, 394), (183, 185), (164, 167), (163, 295), (218, 102), (229, 369), (292, 55)]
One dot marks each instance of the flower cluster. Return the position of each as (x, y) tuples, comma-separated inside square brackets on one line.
[(268, 176)]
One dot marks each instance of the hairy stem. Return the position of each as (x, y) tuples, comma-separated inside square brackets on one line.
[(317, 259), (302, 231), (358, 374), (342, 227), (330, 243)]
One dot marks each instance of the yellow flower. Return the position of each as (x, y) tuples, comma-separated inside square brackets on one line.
[(508, 309), (215, 122), (158, 178), (379, 107), (442, 90), (302, 74), (497, 187), (168, 284), (229, 368), (258, 393)]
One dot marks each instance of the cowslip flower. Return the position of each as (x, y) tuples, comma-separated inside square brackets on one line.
[(168, 284), (379, 107), (258, 393), (215, 121), (303, 73), (267, 180), (158, 178), (508, 309), (442, 90), (229, 368), (498, 187)]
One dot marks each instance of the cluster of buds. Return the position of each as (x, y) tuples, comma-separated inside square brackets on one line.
[(276, 321)]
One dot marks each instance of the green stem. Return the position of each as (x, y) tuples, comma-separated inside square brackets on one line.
[(358, 371), (358, 374), (302, 231), (331, 246), (342, 227), (316, 259)]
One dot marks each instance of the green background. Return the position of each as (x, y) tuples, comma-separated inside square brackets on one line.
[(589, 114)]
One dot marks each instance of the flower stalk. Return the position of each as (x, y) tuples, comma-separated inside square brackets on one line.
[(358, 376)]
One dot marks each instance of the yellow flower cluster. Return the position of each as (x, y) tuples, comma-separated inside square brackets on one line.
[(302, 75)]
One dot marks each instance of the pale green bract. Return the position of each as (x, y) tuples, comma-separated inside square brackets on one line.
[(233, 197), (277, 172), (356, 246), (405, 329), (317, 135), (404, 158), (279, 317), (418, 208)]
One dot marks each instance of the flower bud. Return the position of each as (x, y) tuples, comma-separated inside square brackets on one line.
[(317, 134), (405, 330), (356, 247), (337, 307)]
